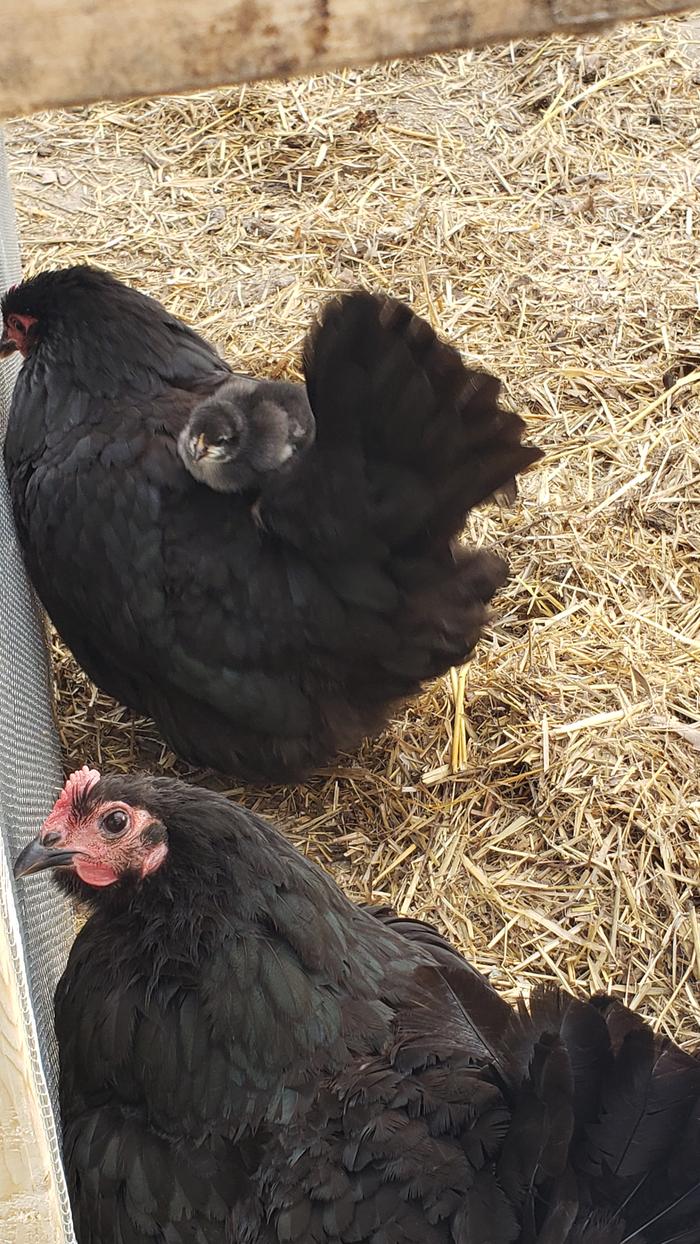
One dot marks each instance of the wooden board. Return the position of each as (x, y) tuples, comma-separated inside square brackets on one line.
[(29, 1199), (56, 52)]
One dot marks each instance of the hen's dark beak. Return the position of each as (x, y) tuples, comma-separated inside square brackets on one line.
[(36, 857), (7, 346)]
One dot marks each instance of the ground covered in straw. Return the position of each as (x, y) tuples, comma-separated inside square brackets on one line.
[(541, 205)]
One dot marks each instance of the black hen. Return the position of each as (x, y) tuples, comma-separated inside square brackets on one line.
[(248, 1058), (262, 638)]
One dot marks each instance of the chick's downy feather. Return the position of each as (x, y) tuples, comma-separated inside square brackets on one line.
[(234, 440)]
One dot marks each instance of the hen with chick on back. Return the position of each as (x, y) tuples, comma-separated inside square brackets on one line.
[(260, 642), (246, 1057), (247, 429)]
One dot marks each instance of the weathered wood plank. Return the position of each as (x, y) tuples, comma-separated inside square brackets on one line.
[(55, 52), (29, 1199)]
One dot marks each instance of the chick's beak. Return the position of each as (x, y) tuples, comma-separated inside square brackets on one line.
[(199, 449), (7, 346), (36, 856)]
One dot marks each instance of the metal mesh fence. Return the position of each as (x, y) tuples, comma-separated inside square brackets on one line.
[(38, 923)]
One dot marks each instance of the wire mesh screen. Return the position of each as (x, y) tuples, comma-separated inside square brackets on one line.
[(38, 922)]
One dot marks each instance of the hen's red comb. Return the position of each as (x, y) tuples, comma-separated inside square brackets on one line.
[(79, 783)]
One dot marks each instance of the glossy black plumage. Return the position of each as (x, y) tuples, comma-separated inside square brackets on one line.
[(262, 639), (248, 1058)]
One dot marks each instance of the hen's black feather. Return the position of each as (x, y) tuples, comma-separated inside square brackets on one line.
[(264, 639), (249, 1058)]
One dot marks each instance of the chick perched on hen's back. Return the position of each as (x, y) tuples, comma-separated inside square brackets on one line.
[(246, 430)]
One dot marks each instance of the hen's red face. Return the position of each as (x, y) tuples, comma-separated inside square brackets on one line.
[(99, 840), (18, 334)]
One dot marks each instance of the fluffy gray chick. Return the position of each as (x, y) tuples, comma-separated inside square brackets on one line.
[(244, 431)]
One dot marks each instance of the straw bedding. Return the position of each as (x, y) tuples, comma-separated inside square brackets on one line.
[(540, 204)]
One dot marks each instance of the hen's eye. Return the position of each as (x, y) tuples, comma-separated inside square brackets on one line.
[(114, 822), (16, 324)]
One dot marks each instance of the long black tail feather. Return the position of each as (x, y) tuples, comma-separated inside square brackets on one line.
[(423, 439), (597, 1140), (603, 1142)]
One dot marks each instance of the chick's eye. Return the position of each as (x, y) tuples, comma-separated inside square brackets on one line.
[(15, 324), (114, 822)]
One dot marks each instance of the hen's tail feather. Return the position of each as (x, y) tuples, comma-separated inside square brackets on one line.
[(643, 1152), (536, 1148), (408, 440), (432, 436), (561, 1211), (641, 1156), (485, 1214), (619, 1019), (603, 1143), (646, 1099), (553, 1012)]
